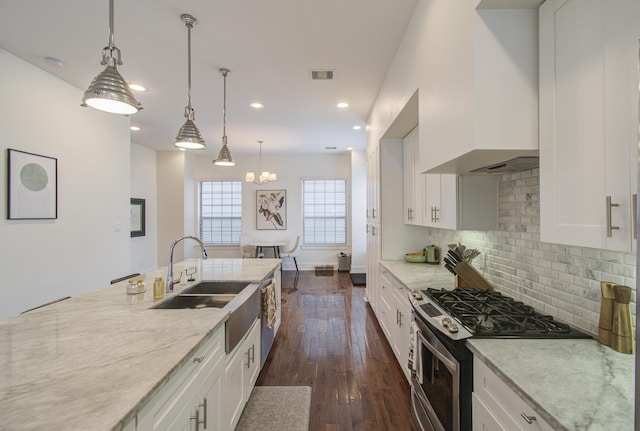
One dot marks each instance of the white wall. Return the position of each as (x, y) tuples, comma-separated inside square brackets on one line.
[(291, 170), (170, 177), (88, 244), (144, 256)]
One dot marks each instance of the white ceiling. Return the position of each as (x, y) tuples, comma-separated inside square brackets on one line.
[(269, 46)]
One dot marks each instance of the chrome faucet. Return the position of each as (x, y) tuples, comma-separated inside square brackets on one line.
[(170, 281)]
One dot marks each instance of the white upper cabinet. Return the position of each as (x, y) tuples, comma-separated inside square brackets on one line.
[(479, 89), (462, 202), (413, 179), (588, 122)]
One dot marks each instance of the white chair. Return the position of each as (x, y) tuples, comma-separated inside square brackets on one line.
[(293, 252), (248, 250)]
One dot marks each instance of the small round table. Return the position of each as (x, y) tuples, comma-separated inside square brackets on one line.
[(274, 245)]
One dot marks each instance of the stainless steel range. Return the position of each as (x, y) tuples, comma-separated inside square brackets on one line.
[(442, 366)]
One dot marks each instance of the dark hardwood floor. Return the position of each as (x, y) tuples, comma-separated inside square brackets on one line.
[(330, 340)]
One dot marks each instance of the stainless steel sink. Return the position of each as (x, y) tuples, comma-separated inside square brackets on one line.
[(242, 299), (195, 301), (215, 288)]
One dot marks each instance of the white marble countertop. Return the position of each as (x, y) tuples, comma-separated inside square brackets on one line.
[(576, 385), (93, 361), (420, 276)]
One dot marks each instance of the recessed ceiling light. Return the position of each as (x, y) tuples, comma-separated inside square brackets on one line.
[(55, 62), (134, 128), (256, 105), (137, 87), (349, 148), (342, 105), (357, 127)]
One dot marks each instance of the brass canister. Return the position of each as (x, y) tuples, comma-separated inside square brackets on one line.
[(158, 288)]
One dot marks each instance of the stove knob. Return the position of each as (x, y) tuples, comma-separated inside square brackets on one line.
[(446, 322), (453, 328)]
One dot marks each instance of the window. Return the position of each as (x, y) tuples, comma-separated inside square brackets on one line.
[(324, 205), (220, 212)]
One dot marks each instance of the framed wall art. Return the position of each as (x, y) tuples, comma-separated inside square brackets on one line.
[(32, 186), (271, 209), (137, 217)]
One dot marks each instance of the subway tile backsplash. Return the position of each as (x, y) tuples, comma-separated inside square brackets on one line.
[(561, 280)]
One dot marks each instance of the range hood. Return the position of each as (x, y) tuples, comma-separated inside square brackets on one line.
[(513, 165)]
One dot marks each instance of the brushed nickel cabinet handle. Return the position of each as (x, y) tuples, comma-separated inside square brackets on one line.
[(197, 419), (373, 213), (610, 227), (199, 359), (203, 404), (527, 419)]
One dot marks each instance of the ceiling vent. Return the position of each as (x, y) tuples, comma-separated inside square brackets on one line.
[(322, 75)]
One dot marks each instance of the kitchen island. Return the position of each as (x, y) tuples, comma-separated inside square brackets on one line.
[(94, 361)]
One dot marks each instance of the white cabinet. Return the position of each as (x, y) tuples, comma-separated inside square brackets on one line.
[(413, 179), (401, 330), (498, 407), (181, 400), (373, 227), (462, 202), (394, 317), (240, 374), (588, 122), (386, 305)]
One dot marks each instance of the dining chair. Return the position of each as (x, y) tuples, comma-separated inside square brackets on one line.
[(293, 252), (248, 250)]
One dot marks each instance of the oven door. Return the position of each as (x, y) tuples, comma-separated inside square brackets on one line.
[(435, 383)]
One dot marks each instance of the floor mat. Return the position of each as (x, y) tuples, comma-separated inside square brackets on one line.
[(359, 279), (277, 408)]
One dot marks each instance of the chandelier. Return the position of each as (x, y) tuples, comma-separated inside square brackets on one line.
[(265, 176)]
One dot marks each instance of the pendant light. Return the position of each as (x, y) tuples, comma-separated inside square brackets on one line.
[(189, 137), (108, 91), (224, 157), (265, 176)]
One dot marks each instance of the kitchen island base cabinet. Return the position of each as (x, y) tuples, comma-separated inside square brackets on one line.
[(181, 401), (240, 375), (497, 407)]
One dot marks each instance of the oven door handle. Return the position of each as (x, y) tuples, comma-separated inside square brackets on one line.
[(451, 365)]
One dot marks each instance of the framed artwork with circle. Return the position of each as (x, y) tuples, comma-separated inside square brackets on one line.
[(32, 186)]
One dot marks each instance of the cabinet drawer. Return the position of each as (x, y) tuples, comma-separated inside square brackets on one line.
[(504, 404), (385, 275), (181, 386), (483, 419)]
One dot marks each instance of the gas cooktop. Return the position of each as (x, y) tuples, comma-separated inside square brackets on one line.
[(491, 314)]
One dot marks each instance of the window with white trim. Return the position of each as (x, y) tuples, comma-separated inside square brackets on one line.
[(324, 213), (220, 212)]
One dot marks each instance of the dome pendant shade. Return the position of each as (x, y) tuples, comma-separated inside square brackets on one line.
[(109, 92), (224, 157), (189, 136)]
